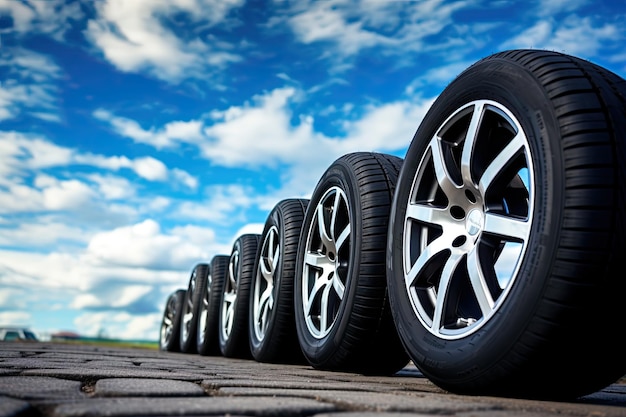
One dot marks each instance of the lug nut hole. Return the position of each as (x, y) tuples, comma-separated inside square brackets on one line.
[(470, 196), (457, 212), (459, 241)]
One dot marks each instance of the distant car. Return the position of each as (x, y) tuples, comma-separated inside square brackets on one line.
[(12, 334)]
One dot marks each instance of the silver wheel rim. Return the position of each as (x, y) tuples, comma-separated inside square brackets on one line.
[(263, 296), (468, 219), (230, 294), (167, 326), (188, 307), (326, 262), (204, 310)]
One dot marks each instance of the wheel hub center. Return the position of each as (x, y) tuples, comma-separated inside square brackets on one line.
[(474, 222)]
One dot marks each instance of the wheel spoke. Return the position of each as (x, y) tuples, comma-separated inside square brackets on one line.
[(470, 141), (333, 218), (270, 245), (267, 269), (318, 260), (320, 284), (338, 286), (324, 306), (342, 238), (441, 170), (501, 161), (187, 318), (275, 259), (443, 288), (229, 297), (479, 284), (432, 250), (509, 228), (229, 318), (265, 305), (323, 234), (427, 214)]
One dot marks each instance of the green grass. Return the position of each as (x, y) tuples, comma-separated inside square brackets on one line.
[(145, 344)]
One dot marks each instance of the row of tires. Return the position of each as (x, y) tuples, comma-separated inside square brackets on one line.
[(490, 256)]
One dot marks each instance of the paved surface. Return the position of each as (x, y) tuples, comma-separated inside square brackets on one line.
[(43, 379)]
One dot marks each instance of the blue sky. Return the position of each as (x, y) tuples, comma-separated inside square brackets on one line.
[(139, 138)]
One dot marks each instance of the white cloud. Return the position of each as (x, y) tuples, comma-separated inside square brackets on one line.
[(63, 195), (573, 35), (222, 205), (133, 36), (120, 296), (15, 318), (25, 154), (29, 86), (39, 232), (144, 245), (352, 27), (111, 187), (325, 21), (20, 198), (261, 133), (440, 76), (185, 178), (150, 168), (52, 17), (552, 7), (120, 325), (169, 136)]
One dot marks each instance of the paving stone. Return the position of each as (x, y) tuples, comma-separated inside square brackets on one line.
[(372, 414), (197, 406), (123, 382), (82, 374), (33, 387), (133, 387), (369, 401), (35, 363), (218, 383), (10, 407)]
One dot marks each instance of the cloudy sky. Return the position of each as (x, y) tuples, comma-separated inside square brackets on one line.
[(139, 138)]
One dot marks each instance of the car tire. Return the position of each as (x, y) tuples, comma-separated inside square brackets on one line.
[(169, 336), (507, 230), (233, 320), (272, 330), (209, 309), (342, 313), (191, 304)]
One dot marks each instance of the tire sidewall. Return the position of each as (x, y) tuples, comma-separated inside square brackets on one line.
[(217, 269), (173, 344), (237, 344), (189, 344), (259, 347), (320, 351), (226, 343), (518, 90)]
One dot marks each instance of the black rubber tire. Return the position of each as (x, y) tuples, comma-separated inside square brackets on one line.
[(191, 305), (272, 330), (557, 333), (233, 336), (209, 310), (169, 335), (354, 331)]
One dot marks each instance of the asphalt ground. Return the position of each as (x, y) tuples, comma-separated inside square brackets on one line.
[(47, 379)]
